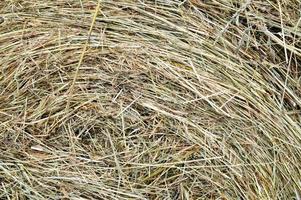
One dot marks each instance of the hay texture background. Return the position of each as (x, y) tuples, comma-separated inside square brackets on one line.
[(150, 99)]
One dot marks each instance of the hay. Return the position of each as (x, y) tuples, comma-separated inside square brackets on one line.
[(145, 99)]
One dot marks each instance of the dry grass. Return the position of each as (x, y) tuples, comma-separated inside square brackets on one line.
[(145, 99)]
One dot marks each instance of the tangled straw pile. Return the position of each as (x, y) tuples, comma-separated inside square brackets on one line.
[(150, 99)]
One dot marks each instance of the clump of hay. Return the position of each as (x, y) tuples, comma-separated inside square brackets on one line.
[(144, 99)]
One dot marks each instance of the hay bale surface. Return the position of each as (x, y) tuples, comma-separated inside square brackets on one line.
[(145, 99)]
